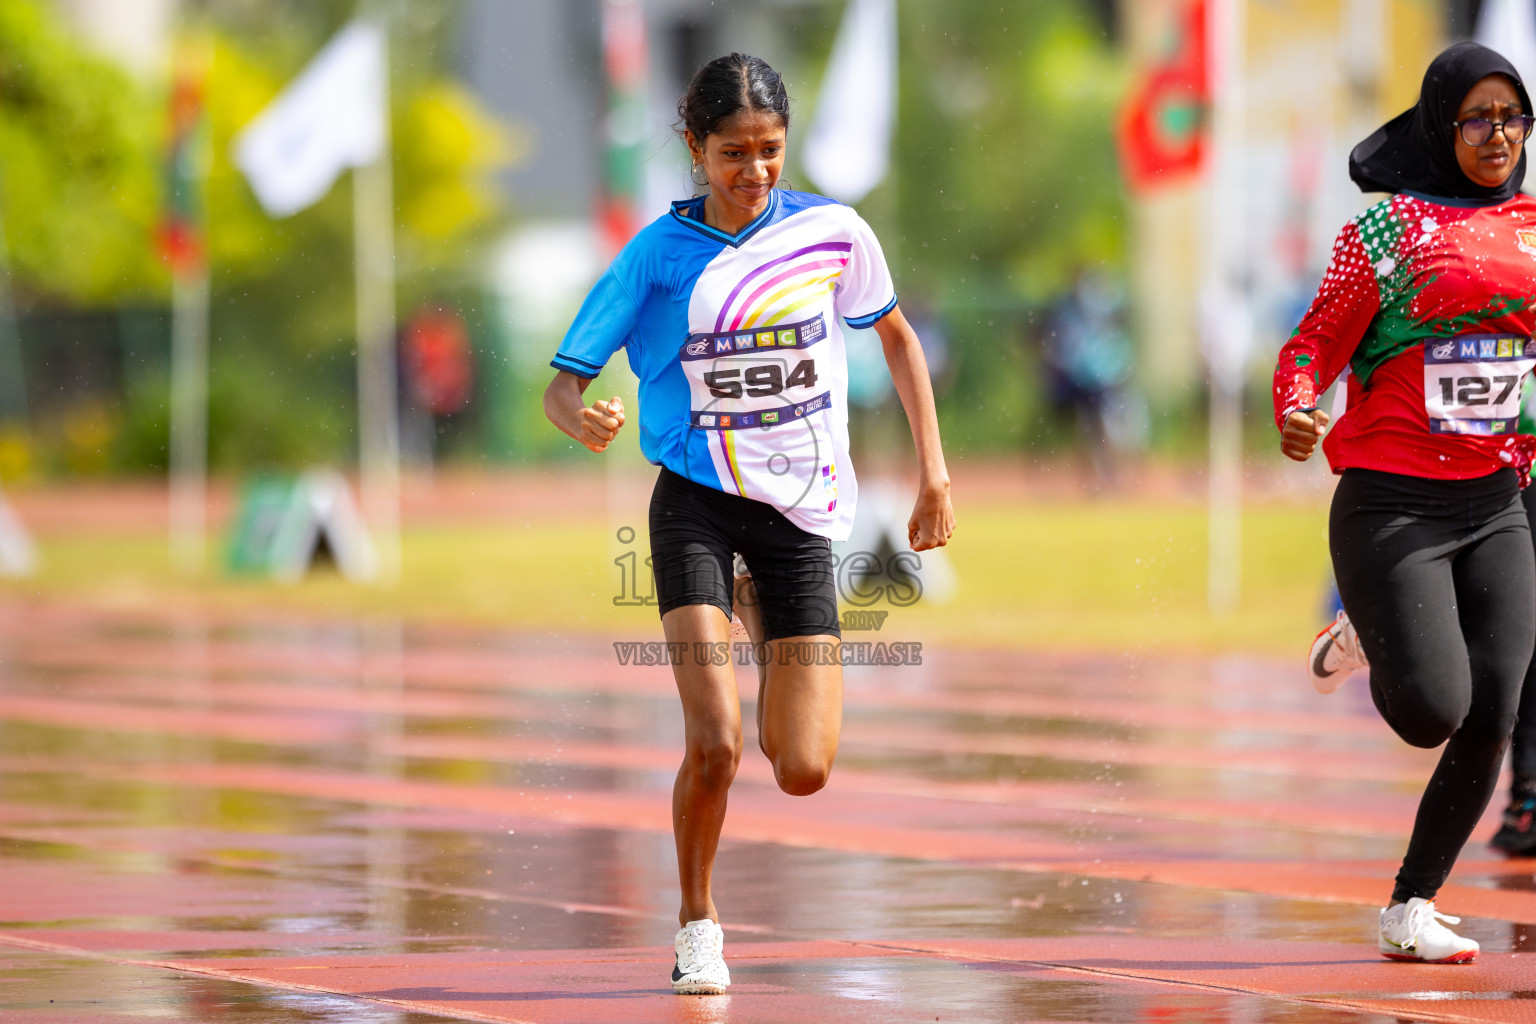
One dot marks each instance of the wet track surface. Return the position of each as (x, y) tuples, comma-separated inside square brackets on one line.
[(285, 823)]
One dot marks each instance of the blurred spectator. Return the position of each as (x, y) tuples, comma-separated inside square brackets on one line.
[(1087, 355), (436, 376)]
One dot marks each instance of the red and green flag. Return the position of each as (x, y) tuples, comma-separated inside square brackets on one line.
[(1163, 125), (625, 65), (182, 221)]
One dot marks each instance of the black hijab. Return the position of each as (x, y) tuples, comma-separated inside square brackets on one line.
[(1416, 151)]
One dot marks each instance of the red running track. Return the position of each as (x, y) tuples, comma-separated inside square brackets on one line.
[(299, 821)]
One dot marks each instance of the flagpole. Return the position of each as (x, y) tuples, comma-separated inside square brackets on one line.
[(186, 250), (378, 415), (189, 420), (1226, 313), (334, 116), (626, 68)]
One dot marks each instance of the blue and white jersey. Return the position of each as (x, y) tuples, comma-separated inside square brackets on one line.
[(738, 347)]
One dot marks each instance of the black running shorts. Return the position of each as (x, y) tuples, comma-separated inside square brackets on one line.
[(695, 530)]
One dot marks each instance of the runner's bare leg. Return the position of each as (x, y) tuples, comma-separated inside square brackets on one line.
[(712, 733)]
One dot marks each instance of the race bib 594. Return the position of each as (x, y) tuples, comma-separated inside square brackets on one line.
[(761, 377), (1472, 382)]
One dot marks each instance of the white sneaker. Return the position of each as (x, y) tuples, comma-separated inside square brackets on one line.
[(1412, 931), (1335, 654), (700, 969)]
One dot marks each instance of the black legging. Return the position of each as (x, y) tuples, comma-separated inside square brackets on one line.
[(1439, 579), (1523, 754)]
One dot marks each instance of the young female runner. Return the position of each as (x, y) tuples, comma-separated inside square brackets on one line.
[(728, 307), (1430, 299)]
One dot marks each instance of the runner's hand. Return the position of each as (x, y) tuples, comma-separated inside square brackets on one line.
[(933, 519), (600, 423), (1302, 432)]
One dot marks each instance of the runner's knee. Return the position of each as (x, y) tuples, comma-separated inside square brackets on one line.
[(1420, 704), (715, 758), (1427, 725), (801, 776)]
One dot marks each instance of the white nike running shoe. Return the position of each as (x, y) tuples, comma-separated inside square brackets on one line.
[(1412, 931), (1335, 654), (700, 969)]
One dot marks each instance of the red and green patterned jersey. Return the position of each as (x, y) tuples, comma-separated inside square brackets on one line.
[(1432, 307)]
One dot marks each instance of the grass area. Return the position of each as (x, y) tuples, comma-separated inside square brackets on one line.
[(1119, 575), (1130, 576)]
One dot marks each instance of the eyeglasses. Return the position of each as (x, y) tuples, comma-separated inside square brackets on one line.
[(1476, 131)]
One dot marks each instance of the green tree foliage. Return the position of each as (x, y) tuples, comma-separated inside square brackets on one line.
[(78, 188), (1005, 183), (81, 151), (1006, 172)]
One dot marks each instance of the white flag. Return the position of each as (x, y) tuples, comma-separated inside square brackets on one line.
[(1509, 26), (847, 149), (329, 118)]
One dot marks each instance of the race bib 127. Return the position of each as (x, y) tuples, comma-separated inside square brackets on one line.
[(1472, 382)]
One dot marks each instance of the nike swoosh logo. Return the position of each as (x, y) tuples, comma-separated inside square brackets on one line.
[(1317, 662)]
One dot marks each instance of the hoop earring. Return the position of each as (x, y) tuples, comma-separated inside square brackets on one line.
[(693, 176)]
